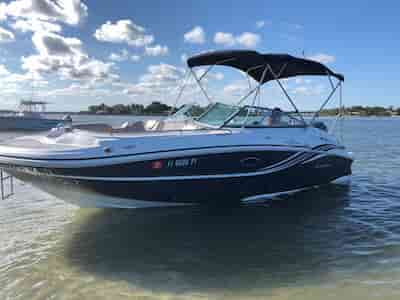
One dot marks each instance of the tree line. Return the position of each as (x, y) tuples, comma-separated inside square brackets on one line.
[(159, 108), (154, 108), (366, 111)]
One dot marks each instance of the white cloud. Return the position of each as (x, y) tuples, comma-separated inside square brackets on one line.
[(35, 25), (237, 88), (80, 90), (6, 36), (308, 90), (3, 11), (200, 72), (135, 58), (49, 44), (124, 31), (119, 56), (92, 70), (184, 57), (224, 38), (323, 58), (12, 84), (124, 55), (71, 90), (300, 80), (260, 24), (3, 70), (219, 76), (156, 50), (78, 95), (161, 73), (21, 78), (248, 39), (195, 36), (158, 81), (71, 12), (64, 56)]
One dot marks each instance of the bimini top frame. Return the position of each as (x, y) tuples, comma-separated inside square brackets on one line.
[(264, 68), (254, 63)]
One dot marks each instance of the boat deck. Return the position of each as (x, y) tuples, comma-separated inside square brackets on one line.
[(79, 143)]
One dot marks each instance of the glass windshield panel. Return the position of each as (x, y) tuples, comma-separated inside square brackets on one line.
[(188, 111), (263, 117), (218, 114)]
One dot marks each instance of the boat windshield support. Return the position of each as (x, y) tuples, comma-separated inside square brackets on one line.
[(341, 112), (180, 92), (330, 80), (258, 88), (201, 86), (276, 76), (198, 80), (212, 66), (340, 116), (339, 84)]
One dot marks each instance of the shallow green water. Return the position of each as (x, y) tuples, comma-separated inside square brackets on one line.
[(331, 243)]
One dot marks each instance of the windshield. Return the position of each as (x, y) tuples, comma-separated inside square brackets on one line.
[(187, 111), (250, 116), (218, 114)]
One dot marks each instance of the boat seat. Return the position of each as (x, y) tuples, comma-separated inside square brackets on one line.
[(129, 126), (96, 127)]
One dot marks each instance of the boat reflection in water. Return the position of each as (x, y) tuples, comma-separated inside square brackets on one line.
[(200, 249)]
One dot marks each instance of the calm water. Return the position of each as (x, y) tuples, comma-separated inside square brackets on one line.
[(331, 243)]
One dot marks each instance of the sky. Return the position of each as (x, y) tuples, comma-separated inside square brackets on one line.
[(76, 53)]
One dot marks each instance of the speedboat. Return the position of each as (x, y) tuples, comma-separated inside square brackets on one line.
[(228, 154), (30, 117)]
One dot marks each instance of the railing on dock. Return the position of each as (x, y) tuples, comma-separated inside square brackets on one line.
[(4, 177)]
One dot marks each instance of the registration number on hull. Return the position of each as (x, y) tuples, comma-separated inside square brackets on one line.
[(182, 163)]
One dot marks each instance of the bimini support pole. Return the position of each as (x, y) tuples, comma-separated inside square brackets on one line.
[(181, 89), (339, 117), (326, 101), (330, 80), (286, 93), (258, 88), (342, 113), (201, 86), (212, 66), (252, 90), (198, 80)]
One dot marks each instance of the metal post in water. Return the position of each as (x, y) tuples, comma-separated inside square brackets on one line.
[(2, 184)]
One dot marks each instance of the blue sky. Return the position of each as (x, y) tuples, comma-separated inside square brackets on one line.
[(79, 53)]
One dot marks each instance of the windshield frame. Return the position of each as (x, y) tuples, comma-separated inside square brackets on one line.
[(237, 110), (245, 125)]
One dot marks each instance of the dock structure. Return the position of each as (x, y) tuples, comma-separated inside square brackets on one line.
[(4, 179)]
